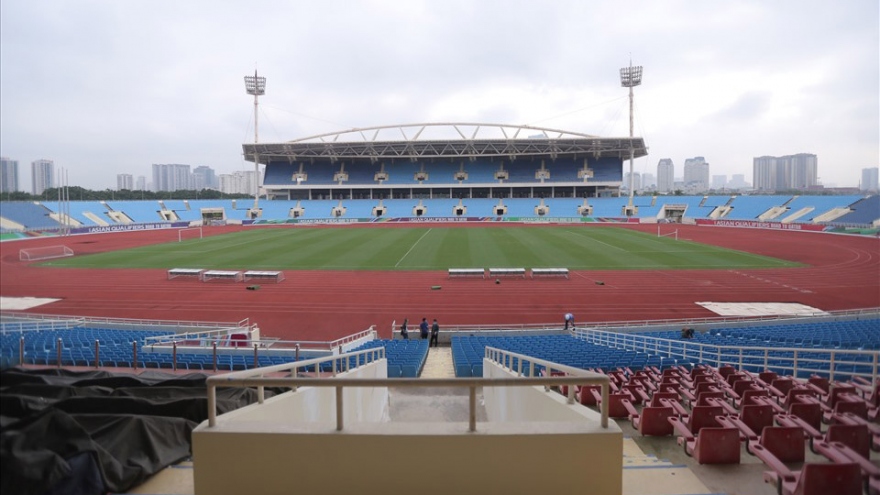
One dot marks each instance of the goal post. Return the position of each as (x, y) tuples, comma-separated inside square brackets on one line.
[(673, 234), (189, 234), (44, 253)]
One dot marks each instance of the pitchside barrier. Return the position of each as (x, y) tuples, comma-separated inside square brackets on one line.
[(549, 272), (209, 275), (263, 275), (507, 272), (467, 272), (44, 253), (185, 272)]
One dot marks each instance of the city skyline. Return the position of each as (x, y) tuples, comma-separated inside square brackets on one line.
[(112, 87)]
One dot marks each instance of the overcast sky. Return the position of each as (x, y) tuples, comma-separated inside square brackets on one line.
[(108, 87)]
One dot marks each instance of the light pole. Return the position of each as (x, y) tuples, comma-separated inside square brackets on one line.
[(631, 77), (256, 86)]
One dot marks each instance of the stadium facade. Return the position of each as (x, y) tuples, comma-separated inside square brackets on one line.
[(445, 160)]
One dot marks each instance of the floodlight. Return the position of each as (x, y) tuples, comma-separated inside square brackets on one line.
[(255, 85), (631, 76)]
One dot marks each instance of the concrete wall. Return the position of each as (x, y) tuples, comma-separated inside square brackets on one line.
[(264, 449), (318, 405)]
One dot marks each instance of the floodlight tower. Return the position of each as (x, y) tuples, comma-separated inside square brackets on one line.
[(256, 86), (631, 77)]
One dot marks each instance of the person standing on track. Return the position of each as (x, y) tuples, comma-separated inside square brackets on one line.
[(569, 320), (423, 329), (404, 333), (435, 333)]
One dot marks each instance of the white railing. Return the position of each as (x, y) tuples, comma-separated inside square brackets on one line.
[(122, 322), (506, 359), (719, 321), (789, 359), (36, 326), (257, 378)]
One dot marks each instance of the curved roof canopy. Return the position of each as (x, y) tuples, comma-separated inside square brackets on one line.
[(446, 140)]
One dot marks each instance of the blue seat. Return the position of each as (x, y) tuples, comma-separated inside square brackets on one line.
[(394, 371)]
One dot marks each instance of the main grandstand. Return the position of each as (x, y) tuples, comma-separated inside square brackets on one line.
[(502, 331), (445, 161)]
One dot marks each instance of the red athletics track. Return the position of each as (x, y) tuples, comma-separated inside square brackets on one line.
[(843, 273)]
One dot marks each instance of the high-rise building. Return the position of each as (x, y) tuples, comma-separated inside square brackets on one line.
[(869, 180), (8, 175), (648, 181), (636, 181), (696, 174), (171, 177), (738, 181), (204, 178), (42, 176), (124, 181), (240, 182), (665, 175), (772, 173), (141, 184)]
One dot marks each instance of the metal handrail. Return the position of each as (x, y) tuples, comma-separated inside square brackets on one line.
[(733, 355), (505, 359), (256, 378)]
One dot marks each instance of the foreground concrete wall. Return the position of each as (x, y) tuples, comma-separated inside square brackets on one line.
[(532, 403), (318, 405), (268, 452)]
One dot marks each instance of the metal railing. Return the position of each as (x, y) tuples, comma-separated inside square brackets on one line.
[(127, 323), (506, 360), (791, 359), (256, 378), (716, 322)]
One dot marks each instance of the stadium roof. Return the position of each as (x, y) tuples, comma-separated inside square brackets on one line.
[(446, 140)]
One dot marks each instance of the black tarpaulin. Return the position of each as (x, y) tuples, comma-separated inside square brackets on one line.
[(82, 433)]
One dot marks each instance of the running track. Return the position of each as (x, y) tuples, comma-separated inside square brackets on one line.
[(843, 273)]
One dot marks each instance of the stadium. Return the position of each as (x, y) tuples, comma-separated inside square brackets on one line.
[(496, 232)]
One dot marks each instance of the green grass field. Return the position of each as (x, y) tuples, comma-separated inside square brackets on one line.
[(428, 248)]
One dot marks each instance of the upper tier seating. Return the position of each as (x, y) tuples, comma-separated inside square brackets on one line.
[(31, 215), (864, 212), (751, 207)]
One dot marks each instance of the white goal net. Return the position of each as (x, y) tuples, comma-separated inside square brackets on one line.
[(188, 234), (44, 253)]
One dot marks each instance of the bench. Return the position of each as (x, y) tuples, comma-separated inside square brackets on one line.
[(467, 272), (207, 275), (507, 272), (185, 272), (550, 272), (264, 275)]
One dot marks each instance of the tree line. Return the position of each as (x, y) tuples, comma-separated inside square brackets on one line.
[(76, 193)]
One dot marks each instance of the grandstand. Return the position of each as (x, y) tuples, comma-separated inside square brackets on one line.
[(651, 374), (494, 381), (824, 211)]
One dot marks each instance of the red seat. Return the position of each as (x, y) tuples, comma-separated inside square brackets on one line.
[(586, 396), (785, 443), (810, 414), (817, 479), (757, 417), (819, 384), (856, 437), (654, 421), (781, 386), (767, 377), (238, 340), (716, 445)]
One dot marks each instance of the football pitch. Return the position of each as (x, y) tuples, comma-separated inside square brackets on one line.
[(429, 248)]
